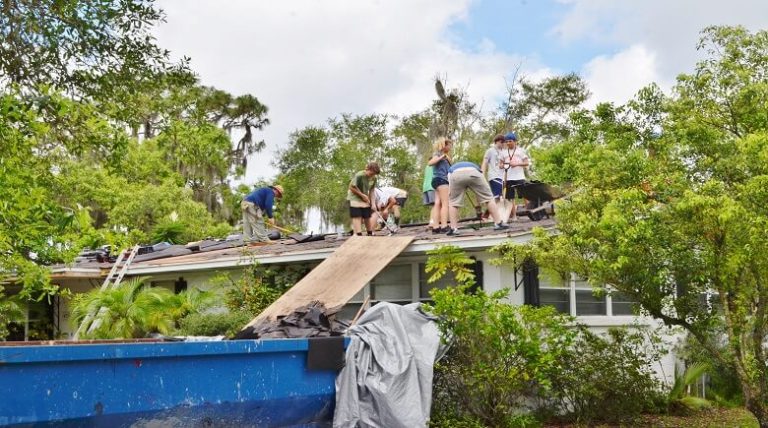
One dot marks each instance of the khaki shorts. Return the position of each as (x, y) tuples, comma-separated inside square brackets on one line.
[(468, 178)]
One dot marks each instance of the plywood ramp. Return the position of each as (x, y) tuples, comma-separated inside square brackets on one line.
[(339, 277)]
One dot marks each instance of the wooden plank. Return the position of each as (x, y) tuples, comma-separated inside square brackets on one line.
[(339, 277)]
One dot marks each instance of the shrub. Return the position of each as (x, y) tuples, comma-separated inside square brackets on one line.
[(608, 379), (214, 324), (722, 383), (503, 357), (259, 286)]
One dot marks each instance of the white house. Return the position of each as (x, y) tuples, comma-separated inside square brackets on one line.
[(403, 280)]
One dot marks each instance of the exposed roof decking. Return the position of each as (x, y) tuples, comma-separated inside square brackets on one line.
[(288, 250)]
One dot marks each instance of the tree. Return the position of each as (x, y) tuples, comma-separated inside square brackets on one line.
[(134, 309), (673, 208), (82, 47), (539, 111), (320, 161)]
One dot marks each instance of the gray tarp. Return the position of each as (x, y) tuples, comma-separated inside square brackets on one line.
[(387, 380)]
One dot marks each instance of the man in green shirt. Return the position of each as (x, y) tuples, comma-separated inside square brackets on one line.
[(362, 198)]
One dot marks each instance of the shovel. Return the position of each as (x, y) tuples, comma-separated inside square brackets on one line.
[(299, 237)]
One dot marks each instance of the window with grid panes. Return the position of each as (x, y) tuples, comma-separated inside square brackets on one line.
[(393, 284), (447, 280), (622, 304), (587, 303), (553, 291)]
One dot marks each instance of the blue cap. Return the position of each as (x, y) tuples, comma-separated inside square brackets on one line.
[(510, 136)]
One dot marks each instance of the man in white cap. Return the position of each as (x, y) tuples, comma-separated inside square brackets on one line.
[(255, 206)]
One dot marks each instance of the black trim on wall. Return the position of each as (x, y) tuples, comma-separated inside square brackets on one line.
[(477, 269), (180, 285), (531, 283)]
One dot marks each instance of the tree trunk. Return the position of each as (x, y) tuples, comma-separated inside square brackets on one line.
[(760, 410)]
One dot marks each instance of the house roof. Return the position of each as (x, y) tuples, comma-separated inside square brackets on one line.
[(208, 255)]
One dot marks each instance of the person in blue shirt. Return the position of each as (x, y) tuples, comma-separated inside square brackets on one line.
[(255, 206), (467, 175)]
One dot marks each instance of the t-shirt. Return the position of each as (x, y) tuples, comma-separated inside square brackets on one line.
[(492, 157), (263, 198), (459, 165), (426, 185), (441, 168), (384, 193), (364, 184), (519, 154)]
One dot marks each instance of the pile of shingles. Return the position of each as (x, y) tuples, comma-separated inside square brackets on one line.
[(312, 320)]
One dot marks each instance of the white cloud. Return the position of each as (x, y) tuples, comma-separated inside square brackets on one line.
[(618, 77), (309, 60), (669, 29)]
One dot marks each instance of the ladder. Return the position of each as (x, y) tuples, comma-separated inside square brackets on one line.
[(92, 320)]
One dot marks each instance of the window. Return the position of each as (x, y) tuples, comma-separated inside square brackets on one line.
[(425, 286), (589, 301), (577, 297), (621, 304), (554, 292), (393, 284)]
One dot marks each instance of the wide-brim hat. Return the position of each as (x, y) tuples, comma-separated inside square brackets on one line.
[(279, 189)]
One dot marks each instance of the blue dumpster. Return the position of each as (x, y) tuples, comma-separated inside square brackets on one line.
[(260, 383)]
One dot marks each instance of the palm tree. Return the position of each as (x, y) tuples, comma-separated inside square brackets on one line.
[(134, 309)]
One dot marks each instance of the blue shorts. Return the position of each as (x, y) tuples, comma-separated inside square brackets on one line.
[(496, 187), (439, 181)]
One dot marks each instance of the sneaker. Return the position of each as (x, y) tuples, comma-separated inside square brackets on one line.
[(445, 229), (436, 231), (453, 232), (500, 226)]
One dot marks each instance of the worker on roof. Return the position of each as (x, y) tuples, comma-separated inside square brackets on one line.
[(362, 198), (461, 177), (255, 206), (514, 161), (492, 165), (388, 199), (440, 162)]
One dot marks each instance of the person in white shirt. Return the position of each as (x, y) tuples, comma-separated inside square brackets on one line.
[(513, 163), (491, 166), (388, 199)]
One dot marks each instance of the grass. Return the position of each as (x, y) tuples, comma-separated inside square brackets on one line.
[(737, 417)]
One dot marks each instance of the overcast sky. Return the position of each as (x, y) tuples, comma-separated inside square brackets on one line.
[(310, 60)]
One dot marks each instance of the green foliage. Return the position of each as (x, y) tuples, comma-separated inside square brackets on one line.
[(672, 207), (10, 311), (682, 380), (34, 228), (92, 48), (503, 358), (319, 162), (539, 112), (134, 310), (722, 381), (449, 258), (259, 286), (608, 379), (214, 324)]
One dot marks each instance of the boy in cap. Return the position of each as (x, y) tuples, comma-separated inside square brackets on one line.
[(254, 206), (514, 161), (362, 198)]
